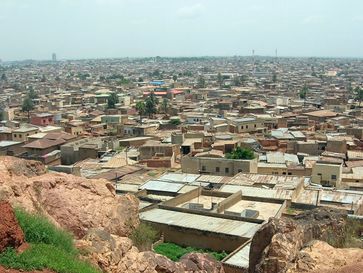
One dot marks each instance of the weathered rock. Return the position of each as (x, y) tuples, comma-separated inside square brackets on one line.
[(197, 262), (11, 234), (97, 217), (74, 203), (115, 254), (276, 245), (320, 257)]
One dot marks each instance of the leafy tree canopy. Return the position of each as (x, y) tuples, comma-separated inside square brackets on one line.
[(241, 153)]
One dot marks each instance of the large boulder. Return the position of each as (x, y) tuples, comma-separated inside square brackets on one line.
[(11, 234), (74, 203), (114, 254), (320, 257), (275, 247)]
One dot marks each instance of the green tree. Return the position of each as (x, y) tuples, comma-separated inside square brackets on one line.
[(150, 105), (165, 105), (175, 122), (140, 107), (3, 77), (241, 153), (201, 82), (303, 92), (27, 106), (358, 94), (236, 81), (32, 94), (175, 77), (111, 101), (274, 77), (219, 79)]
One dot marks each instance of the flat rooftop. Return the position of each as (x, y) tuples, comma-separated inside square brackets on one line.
[(201, 222), (266, 210), (204, 200)]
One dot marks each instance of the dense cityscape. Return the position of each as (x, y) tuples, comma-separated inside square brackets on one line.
[(183, 136)]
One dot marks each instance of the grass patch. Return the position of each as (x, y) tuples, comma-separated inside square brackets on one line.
[(41, 256), (174, 252), (38, 229), (50, 248)]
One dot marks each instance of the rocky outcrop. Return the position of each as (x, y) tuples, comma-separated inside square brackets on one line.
[(99, 219), (115, 254), (313, 259), (74, 203), (11, 234), (277, 245)]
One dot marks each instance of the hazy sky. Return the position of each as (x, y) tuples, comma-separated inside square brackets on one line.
[(33, 29)]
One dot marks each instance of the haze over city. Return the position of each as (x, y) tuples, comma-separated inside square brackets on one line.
[(179, 136), (78, 29)]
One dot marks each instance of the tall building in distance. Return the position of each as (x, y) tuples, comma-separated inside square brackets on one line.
[(54, 57)]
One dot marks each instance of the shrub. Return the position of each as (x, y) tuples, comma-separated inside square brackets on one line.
[(37, 229), (41, 256), (174, 252), (241, 153), (350, 237), (144, 236), (175, 122)]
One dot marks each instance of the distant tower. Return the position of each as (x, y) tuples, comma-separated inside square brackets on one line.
[(276, 53), (54, 57)]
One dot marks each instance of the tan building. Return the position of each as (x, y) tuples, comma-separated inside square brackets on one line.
[(22, 134), (217, 166), (327, 174), (246, 125)]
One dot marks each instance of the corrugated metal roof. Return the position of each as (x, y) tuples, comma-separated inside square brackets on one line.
[(127, 187), (280, 181), (241, 258), (275, 158), (163, 186), (210, 178), (179, 177), (187, 188), (201, 222), (258, 192)]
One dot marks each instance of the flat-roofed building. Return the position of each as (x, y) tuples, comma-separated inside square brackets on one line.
[(22, 133)]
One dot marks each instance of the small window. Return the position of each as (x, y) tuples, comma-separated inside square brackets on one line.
[(255, 126), (289, 173), (241, 127), (246, 126), (203, 168), (226, 170), (284, 173), (217, 169), (319, 174), (239, 170), (333, 176)]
